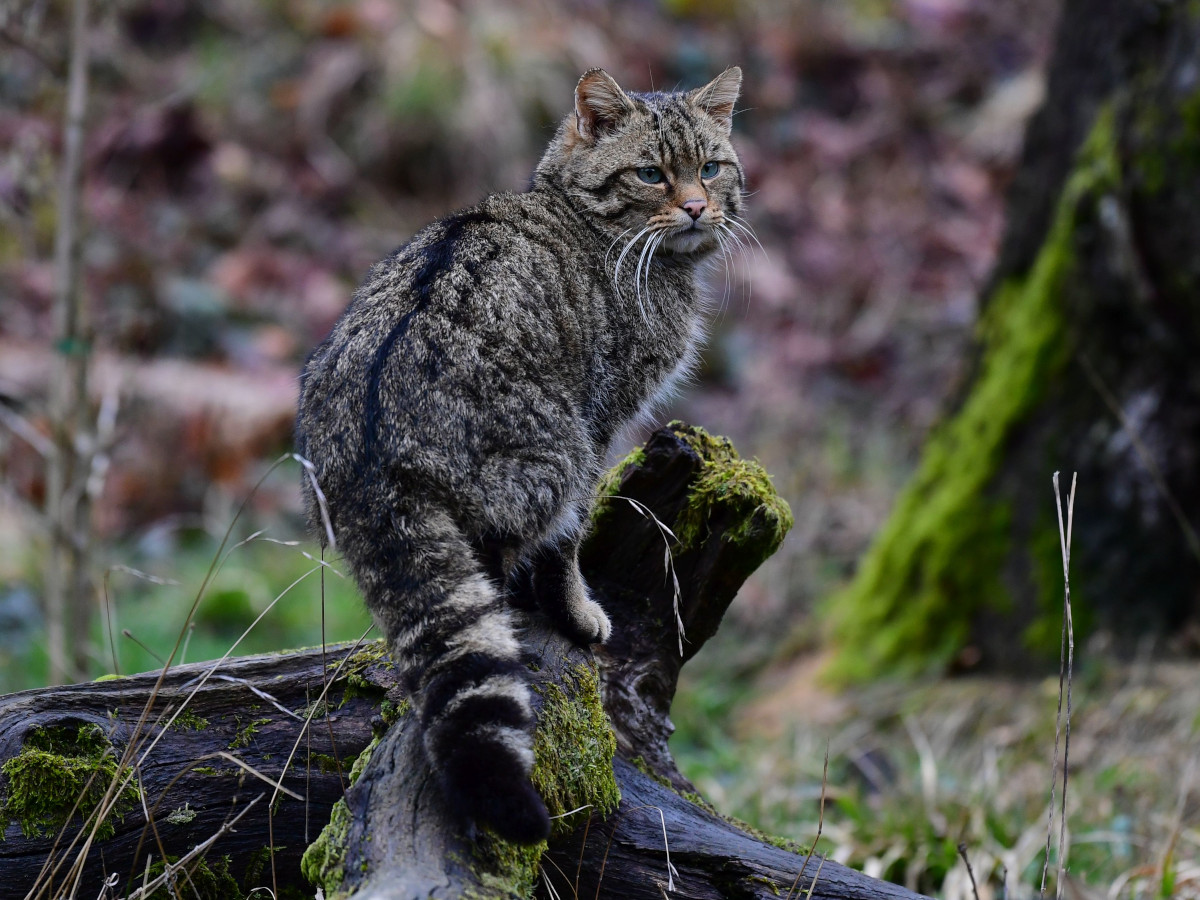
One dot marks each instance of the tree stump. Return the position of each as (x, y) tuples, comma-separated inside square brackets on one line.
[(1085, 363), (390, 836)]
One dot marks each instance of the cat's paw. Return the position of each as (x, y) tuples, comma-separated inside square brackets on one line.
[(587, 623)]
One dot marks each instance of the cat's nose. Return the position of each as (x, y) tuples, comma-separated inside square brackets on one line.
[(695, 208)]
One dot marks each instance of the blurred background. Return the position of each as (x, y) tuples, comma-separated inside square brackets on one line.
[(245, 163)]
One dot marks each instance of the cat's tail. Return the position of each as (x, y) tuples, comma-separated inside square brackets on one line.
[(452, 634)]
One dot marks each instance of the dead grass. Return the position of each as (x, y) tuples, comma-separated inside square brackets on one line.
[(915, 771)]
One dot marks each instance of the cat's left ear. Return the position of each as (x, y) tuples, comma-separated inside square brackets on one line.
[(718, 97), (600, 105)]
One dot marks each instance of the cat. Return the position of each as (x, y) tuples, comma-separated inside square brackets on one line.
[(458, 416)]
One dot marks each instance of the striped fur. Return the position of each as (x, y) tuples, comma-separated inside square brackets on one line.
[(459, 412)]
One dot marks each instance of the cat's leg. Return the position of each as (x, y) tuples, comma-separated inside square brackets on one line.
[(563, 595)]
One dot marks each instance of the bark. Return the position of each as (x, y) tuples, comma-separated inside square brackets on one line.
[(1085, 363), (391, 837)]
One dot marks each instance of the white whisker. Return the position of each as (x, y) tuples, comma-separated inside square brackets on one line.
[(616, 278), (644, 258), (741, 225), (747, 283)]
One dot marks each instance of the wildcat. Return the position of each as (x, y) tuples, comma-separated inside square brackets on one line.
[(458, 415)]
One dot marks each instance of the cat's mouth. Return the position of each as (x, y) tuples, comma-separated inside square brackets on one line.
[(689, 239)]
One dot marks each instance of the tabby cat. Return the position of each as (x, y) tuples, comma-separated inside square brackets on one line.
[(458, 415)]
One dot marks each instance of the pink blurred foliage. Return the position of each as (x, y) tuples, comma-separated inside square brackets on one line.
[(248, 162)]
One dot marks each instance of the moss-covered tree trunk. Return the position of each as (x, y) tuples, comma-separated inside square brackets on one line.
[(628, 823), (1088, 361)]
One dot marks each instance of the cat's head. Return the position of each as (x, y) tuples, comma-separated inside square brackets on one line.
[(658, 161)]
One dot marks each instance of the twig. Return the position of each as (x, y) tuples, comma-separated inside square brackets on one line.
[(66, 578), (962, 851)]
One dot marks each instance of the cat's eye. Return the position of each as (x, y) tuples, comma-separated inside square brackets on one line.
[(650, 174), (710, 169)]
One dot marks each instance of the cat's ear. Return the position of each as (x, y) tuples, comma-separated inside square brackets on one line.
[(718, 97), (600, 105)]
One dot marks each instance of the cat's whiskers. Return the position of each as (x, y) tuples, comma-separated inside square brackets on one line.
[(615, 241), (616, 276), (718, 236), (644, 259), (741, 225), (740, 243)]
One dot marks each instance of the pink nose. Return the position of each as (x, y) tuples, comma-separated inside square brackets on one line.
[(695, 208)]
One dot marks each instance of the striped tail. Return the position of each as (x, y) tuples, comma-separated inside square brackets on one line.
[(452, 635)]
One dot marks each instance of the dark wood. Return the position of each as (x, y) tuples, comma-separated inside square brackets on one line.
[(254, 708), (400, 843)]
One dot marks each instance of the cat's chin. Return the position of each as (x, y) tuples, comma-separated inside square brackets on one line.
[(687, 242)]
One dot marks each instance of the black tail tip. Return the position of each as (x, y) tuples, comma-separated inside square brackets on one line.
[(517, 815)]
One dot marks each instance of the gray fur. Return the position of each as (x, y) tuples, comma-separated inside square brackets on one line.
[(459, 413)]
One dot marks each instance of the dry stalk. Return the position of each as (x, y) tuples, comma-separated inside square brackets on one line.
[(820, 828), (1066, 659)]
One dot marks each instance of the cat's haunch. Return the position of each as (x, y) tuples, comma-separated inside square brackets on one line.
[(458, 416)]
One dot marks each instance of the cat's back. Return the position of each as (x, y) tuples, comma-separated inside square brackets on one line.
[(484, 315)]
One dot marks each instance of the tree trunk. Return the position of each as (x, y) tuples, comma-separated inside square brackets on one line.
[(1085, 363), (238, 726)]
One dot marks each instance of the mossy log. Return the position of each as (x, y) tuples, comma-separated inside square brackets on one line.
[(629, 824), (1085, 362)]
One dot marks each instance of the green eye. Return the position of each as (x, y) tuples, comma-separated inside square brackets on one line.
[(709, 169), (650, 174)]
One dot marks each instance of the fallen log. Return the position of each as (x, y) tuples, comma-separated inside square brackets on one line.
[(108, 780)]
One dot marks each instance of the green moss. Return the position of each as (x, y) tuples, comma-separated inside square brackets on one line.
[(391, 713), (573, 750), (246, 733), (189, 721), (764, 880), (939, 558), (58, 766), (725, 481), (610, 484), (323, 863), (642, 766), (204, 880), (181, 815), (763, 517)]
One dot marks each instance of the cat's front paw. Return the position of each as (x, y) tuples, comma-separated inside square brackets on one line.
[(587, 623)]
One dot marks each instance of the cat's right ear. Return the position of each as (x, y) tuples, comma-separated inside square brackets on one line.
[(600, 105)]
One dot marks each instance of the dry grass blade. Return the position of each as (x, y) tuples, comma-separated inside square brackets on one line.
[(140, 745), (242, 764), (816, 877), (820, 829), (671, 870), (311, 471)]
